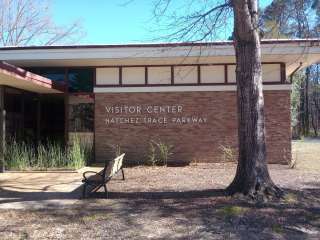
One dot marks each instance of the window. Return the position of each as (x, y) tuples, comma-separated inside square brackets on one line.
[(185, 74), (107, 76), (81, 117), (54, 74), (271, 73), (231, 73), (81, 113), (80, 80), (133, 75), (212, 74), (159, 75)]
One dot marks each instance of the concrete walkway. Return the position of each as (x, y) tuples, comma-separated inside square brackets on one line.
[(21, 190)]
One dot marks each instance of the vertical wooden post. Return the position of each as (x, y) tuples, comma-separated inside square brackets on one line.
[(2, 130)]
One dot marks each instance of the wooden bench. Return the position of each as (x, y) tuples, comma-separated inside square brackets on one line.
[(93, 181)]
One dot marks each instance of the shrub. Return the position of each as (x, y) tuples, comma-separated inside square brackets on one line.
[(165, 151), (152, 157), (159, 153), (228, 153), (25, 155), (77, 154)]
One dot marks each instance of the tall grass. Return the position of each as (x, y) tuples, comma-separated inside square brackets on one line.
[(49, 155), (79, 154), (159, 153)]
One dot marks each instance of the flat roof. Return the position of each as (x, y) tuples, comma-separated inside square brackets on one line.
[(179, 44), (293, 52), (16, 77)]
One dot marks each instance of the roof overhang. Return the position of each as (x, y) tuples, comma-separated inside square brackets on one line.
[(293, 53), (19, 78)]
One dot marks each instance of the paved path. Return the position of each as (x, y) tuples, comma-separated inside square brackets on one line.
[(39, 189)]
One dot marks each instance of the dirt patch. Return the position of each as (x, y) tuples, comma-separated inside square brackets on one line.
[(165, 203)]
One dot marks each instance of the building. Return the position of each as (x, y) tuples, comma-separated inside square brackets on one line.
[(183, 94)]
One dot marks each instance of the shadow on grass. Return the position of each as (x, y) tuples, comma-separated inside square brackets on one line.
[(196, 214), (213, 214), (161, 195), (205, 213)]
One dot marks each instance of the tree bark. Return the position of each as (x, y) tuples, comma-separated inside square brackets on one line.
[(301, 115), (306, 128), (252, 176)]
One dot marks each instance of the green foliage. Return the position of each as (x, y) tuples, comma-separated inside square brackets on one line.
[(277, 228), (272, 30), (152, 158), (159, 153), (26, 156), (290, 19), (297, 19), (232, 211), (78, 154), (297, 79), (290, 198), (165, 151)]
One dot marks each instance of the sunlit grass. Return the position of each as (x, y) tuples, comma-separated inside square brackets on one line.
[(290, 198), (49, 155), (277, 228), (232, 211), (306, 153)]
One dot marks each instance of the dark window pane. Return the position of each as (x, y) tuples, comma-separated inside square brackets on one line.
[(54, 74), (30, 116), (52, 117), (81, 117), (80, 80), (14, 113)]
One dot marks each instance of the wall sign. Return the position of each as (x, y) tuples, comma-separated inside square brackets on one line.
[(151, 114)]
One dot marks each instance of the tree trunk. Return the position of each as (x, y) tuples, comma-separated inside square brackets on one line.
[(313, 123), (301, 114), (306, 129), (252, 176)]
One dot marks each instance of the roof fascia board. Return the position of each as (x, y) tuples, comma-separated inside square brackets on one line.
[(106, 53)]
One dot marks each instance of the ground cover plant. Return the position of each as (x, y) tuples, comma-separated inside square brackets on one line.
[(25, 155), (159, 153)]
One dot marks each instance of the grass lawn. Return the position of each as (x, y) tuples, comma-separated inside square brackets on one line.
[(163, 203), (306, 153)]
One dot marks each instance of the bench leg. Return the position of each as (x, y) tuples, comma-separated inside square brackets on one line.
[(122, 173), (105, 188)]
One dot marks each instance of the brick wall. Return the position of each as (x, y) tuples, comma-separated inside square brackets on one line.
[(199, 142)]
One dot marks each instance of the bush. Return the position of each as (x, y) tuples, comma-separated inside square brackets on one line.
[(159, 153), (228, 152), (25, 155)]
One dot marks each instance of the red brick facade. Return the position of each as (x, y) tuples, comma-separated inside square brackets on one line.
[(193, 142)]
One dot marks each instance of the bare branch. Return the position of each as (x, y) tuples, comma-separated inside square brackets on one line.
[(192, 22), (28, 22)]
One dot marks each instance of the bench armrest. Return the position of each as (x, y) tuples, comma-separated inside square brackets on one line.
[(91, 174)]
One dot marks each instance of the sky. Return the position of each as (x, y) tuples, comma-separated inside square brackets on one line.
[(110, 21)]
